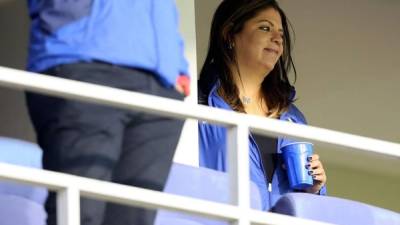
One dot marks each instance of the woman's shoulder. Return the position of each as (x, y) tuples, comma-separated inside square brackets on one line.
[(294, 113)]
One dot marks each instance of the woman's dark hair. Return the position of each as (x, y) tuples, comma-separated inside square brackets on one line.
[(228, 20)]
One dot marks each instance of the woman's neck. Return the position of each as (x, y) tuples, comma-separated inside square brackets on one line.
[(249, 83)]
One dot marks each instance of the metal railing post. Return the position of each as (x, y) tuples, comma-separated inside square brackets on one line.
[(68, 206), (238, 169)]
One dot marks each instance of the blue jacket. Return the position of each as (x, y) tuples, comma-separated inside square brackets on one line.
[(135, 33), (213, 152)]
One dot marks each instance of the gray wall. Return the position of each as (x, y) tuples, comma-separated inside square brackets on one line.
[(346, 55), (347, 58), (14, 24)]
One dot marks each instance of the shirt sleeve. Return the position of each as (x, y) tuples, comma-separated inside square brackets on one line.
[(323, 191), (169, 42)]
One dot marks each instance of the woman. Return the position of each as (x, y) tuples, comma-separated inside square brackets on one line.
[(246, 70)]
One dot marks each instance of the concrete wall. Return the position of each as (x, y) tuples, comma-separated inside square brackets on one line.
[(14, 22), (347, 58), (186, 152)]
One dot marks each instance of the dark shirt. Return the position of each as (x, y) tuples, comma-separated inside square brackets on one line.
[(267, 147)]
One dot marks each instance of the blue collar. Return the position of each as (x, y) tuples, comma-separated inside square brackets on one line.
[(215, 100)]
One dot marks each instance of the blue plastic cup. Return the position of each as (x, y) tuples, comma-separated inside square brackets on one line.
[(295, 158)]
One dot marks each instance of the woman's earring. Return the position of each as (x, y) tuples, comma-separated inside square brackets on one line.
[(231, 46)]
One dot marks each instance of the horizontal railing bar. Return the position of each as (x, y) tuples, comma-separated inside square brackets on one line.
[(323, 136), (134, 196), (116, 193), (172, 108), (109, 96)]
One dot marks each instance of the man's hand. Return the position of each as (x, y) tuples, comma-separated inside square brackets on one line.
[(183, 84)]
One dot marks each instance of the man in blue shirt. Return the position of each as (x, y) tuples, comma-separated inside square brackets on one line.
[(128, 44)]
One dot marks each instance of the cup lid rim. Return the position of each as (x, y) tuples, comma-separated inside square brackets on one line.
[(297, 142)]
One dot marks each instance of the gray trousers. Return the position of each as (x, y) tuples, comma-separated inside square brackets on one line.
[(106, 143)]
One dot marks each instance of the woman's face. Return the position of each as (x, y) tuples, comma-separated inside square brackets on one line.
[(260, 43)]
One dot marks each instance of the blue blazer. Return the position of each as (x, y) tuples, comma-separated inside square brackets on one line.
[(212, 140)]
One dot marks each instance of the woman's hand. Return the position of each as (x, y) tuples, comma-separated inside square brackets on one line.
[(317, 171)]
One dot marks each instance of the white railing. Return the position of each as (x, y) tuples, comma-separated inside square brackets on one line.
[(70, 188)]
